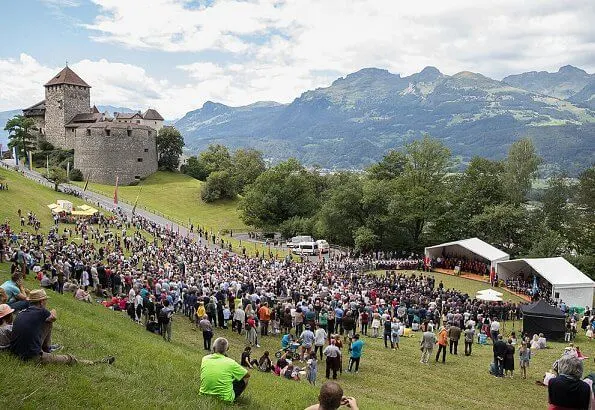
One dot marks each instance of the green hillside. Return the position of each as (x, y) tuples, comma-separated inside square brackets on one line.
[(178, 197), (151, 373)]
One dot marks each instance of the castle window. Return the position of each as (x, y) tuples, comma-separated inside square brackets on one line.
[(88, 132), (139, 160), (146, 149), (108, 132), (129, 132), (138, 121), (137, 177), (155, 122)]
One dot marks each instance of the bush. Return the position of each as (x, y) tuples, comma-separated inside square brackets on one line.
[(219, 185), (76, 175), (45, 146)]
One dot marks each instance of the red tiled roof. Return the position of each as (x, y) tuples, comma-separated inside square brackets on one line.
[(67, 76)]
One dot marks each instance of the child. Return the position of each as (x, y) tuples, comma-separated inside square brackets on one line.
[(5, 326), (264, 363), (590, 332), (525, 358), (482, 339), (246, 360), (312, 369)]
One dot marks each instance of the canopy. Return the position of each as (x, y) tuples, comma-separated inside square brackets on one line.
[(489, 292), (55, 208), (569, 284), (541, 317), (468, 248), (489, 297)]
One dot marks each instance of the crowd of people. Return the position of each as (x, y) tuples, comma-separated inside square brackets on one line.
[(319, 308)]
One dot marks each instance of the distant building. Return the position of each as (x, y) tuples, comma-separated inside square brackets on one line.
[(104, 147)]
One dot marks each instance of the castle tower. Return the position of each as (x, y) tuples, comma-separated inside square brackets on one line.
[(66, 95)]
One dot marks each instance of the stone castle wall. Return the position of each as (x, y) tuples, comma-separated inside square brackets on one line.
[(104, 157), (62, 102)]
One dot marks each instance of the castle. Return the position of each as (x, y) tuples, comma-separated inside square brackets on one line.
[(105, 147)]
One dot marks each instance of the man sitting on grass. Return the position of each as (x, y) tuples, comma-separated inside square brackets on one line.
[(32, 331), (221, 376)]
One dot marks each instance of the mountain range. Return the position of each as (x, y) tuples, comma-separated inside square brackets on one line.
[(358, 118), (361, 116)]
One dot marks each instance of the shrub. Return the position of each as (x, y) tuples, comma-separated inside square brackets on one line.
[(76, 175)]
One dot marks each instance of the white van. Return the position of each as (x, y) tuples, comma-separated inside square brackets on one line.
[(306, 248), (323, 245), (296, 240)]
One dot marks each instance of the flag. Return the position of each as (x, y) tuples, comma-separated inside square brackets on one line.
[(87, 182), (15, 156), (535, 287), (30, 155), (47, 164), (136, 200), (116, 192), (493, 274)]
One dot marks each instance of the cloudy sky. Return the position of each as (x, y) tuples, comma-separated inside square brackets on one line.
[(174, 55)]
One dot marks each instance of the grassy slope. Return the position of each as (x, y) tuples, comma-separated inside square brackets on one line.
[(178, 197), (151, 373)]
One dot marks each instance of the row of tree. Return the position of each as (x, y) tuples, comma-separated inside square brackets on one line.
[(410, 199)]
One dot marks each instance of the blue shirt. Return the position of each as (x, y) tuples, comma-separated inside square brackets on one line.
[(356, 349), (339, 313), (285, 341), (11, 289)]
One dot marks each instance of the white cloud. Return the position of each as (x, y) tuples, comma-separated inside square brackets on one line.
[(495, 38), (277, 49)]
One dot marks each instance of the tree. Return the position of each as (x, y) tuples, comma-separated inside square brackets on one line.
[(58, 176), (505, 226), (247, 165), (19, 134), (467, 194), (555, 200), (219, 185), (169, 148), (279, 193), (215, 158), (520, 170), (365, 239), (390, 167), (195, 168), (343, 211), (420, 197)]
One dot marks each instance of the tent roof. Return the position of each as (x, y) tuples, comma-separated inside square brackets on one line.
[(557, 271), (542, 308), (478, 247)]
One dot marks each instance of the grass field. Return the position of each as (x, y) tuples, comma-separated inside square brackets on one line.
[(470, 287), (151, 373), (177, 196)]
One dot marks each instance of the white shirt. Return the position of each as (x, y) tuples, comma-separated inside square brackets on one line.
[(319, 337), (495, 326)]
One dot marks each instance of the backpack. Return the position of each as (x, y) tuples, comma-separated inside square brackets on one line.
[(164, 316)]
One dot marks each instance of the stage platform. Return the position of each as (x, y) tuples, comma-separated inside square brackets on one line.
[(479, 278)]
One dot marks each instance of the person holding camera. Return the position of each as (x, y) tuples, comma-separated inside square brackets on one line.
[(331, 398)]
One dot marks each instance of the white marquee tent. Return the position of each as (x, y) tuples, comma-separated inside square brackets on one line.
[(468, 248), (569, 284)]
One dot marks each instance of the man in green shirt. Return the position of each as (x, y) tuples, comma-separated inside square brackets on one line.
[(221, 376)]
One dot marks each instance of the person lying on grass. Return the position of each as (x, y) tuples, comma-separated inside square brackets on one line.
[(32, 331)]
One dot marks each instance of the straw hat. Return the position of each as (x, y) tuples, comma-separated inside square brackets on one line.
[(5, 310), (37, 295)]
